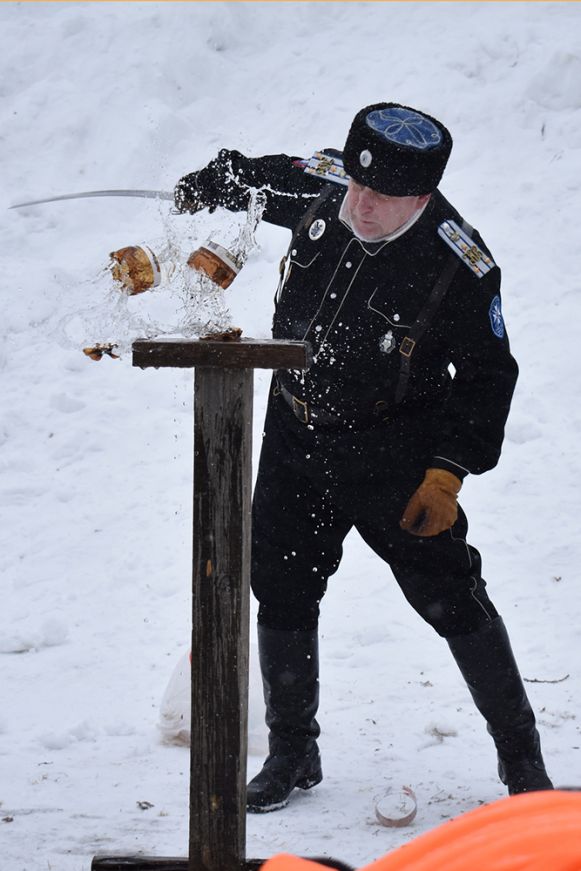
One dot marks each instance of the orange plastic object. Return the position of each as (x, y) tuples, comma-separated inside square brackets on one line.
[(96, 352), (537, 831)]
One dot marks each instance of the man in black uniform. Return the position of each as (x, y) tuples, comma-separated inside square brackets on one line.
[(409, 392)]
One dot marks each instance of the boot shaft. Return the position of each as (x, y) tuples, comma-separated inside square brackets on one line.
[(289, 663), (488, 666)]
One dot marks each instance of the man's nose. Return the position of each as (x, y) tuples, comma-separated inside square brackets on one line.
[(366, 200)]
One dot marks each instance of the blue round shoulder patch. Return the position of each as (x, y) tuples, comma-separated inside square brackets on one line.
[(404, 127), (496, 319)]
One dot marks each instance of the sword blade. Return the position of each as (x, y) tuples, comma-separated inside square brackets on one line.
[(150, 195)]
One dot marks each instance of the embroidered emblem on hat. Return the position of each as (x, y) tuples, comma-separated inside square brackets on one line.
[(365, 158), (327, 166), (496, 319), (405, 127), (462, 245), (317, 229), (387, 343)]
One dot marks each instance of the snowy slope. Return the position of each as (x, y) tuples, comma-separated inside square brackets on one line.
[(96, 457)]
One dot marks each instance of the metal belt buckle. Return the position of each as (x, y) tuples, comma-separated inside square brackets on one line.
[(300, 409), (407, 346)]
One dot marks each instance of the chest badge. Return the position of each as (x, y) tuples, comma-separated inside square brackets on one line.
[(317, 229), (387, 343)]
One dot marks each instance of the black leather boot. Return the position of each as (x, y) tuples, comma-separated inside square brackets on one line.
[(488, 666), (289, 662)]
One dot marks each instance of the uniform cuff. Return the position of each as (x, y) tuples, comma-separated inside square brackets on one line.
[(450, 466)]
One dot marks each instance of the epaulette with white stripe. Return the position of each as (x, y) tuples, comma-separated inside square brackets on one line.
[(327, 166), (461, 243)]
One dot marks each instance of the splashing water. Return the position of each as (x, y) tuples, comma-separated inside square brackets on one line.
[(186, 304)]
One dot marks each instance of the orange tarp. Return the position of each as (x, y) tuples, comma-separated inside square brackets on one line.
[(538, 831)]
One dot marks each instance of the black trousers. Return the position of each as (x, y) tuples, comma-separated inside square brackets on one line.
[(315, 484)]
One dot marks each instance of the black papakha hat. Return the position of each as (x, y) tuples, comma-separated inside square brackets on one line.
[(396, 150)]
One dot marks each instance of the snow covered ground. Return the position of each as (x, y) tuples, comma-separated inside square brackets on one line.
[(95, 458)]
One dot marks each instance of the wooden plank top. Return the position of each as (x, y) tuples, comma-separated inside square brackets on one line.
[(239, 354)]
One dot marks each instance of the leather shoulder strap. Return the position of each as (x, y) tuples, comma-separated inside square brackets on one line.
[(425, 318)]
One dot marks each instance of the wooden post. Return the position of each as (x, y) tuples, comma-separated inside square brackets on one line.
[(220, 591), (220, 605)]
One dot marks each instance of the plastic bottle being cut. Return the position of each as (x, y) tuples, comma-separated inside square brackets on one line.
[(138, 268)]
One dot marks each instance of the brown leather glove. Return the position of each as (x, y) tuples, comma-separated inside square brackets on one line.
[(433, 507)]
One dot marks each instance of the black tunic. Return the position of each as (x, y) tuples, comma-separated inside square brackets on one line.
[(355, 302)]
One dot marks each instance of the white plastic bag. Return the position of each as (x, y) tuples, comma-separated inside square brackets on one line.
[(174, 715)]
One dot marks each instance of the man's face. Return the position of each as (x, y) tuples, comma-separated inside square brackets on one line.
[(375, 215)]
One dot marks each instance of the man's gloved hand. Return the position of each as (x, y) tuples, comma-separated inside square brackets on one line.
[(433, 507), (223, 182), (187, 196)]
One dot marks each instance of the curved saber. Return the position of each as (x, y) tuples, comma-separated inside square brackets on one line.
[(150, 195)]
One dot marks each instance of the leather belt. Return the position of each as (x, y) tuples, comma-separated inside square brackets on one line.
[(307, 413)]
